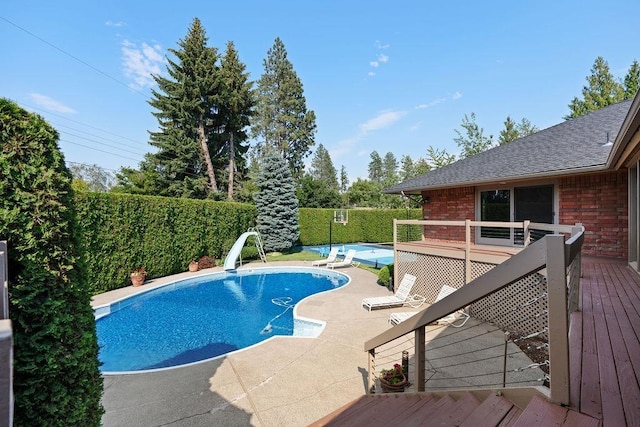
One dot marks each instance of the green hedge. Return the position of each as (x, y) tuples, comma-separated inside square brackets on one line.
[(123, 231), (364, 225)]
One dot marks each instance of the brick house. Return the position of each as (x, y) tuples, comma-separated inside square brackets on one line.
[(582, 170)]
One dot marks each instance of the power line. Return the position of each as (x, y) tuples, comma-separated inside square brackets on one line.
[(73, 57)]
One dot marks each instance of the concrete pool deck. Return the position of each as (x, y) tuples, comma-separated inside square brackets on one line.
[(282, 382)]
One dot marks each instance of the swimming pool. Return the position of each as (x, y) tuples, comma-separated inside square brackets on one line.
[(373, 255), (207, 316)]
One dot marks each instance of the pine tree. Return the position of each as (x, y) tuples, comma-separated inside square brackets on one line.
[(186, 106), (276, 203), (437, 158), (389, 170), (322, 168), (282, 120), (344, 179), (631, 80), (407, 169), (236, 108), (473, 140), (375, 168), (509, 133), (602, 90)]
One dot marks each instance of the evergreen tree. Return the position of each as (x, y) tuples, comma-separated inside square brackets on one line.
[(186, 105), (509, 133), (276, 203), (525, 127), (375, 167), (55, 370), (631, 80), (282, 119), (473, 140), (344, 179), (236, 108), (322, 168), (407, 169), (389, 170), (602, 90)]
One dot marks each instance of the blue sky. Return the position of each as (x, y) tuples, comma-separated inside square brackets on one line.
[(384, 76)]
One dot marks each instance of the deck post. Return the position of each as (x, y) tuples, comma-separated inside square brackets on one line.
[(395, 252), (467, 251), (420, 348), (372, 367), (527, 232), (558, 320)]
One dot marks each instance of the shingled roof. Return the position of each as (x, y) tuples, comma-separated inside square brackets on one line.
[(574, 146)]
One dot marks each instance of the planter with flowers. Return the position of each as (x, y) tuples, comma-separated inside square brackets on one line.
[(393, 380), (138, 276)]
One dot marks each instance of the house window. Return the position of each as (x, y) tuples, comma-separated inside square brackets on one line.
[(533, 203)]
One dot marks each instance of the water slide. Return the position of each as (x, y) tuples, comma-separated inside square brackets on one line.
[(234, 253)]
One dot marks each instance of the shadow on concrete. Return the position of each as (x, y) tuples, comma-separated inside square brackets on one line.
[(176, 397)]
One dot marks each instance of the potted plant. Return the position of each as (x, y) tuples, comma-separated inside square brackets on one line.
[(138, 276), (193, 265), (393, 380), (206, 262)]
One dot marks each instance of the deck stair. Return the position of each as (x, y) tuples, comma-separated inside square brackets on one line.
[(442, 409)]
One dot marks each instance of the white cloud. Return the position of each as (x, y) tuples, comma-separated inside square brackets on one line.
[(435, 102), (374, 64), (371, 73), (379, 45), (114, 24), (381, 121), (456, 95), (383, 58), (415, 127), (50, 104), (141, 62)]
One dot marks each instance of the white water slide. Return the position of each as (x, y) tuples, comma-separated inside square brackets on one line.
[(236, 249)]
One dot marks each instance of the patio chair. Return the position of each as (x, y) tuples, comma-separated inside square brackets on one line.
[(346, 262), (458, 316), (401, 297), (333, 254)]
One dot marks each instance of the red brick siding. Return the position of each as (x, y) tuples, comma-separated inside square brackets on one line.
[(454, 204), (600, 203)]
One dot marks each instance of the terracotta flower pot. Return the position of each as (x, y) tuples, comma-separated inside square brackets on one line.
[(137, 279), (193, 266), (387, 387)]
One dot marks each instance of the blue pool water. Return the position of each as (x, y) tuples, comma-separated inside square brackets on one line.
[(207, 316), (368, 254)]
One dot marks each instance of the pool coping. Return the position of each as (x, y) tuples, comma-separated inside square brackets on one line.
[(282, 381)]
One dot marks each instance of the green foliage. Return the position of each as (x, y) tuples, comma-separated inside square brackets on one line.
[(322, 168), (277, 204), (602, 90), (389, 170), (472, 141), (632, 80), (56, 376), (123, 231), (375, 168), (385, 275), (282, 120), (95, 177), (315, 193), (344, 179), (435, 159), (513, 130), (365, 225), (367, 193)]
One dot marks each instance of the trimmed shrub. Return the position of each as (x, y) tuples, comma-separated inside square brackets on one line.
[(56, 375), (385, 276)]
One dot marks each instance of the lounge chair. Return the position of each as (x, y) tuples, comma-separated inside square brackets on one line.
[(458, 316), (333, 254), (401, 297), (346, 262)]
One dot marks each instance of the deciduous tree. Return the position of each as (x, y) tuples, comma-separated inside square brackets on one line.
[(472, 140)]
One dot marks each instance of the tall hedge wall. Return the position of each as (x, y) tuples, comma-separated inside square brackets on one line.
[(364, 225), (123, 231)]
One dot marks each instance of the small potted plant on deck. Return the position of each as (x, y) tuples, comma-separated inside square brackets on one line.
[(138, 276), (393, 380)]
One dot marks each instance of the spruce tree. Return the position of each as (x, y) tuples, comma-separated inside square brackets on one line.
[(186, 106), (282, 120), (322, 168), (56, 377), (276, 203), (236, 108), (375, 168), (631, 80), (509, 133)]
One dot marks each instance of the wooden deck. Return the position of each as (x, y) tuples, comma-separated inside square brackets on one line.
[(605, 345)]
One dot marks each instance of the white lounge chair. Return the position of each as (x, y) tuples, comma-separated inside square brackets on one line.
[(402, 296), (346, 262), (458, 316), (333, 254)]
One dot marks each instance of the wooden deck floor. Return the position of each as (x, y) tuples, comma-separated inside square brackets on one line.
[(605, 345)]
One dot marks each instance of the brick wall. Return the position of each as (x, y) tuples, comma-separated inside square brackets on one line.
[(454, 204), (600, 203)]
